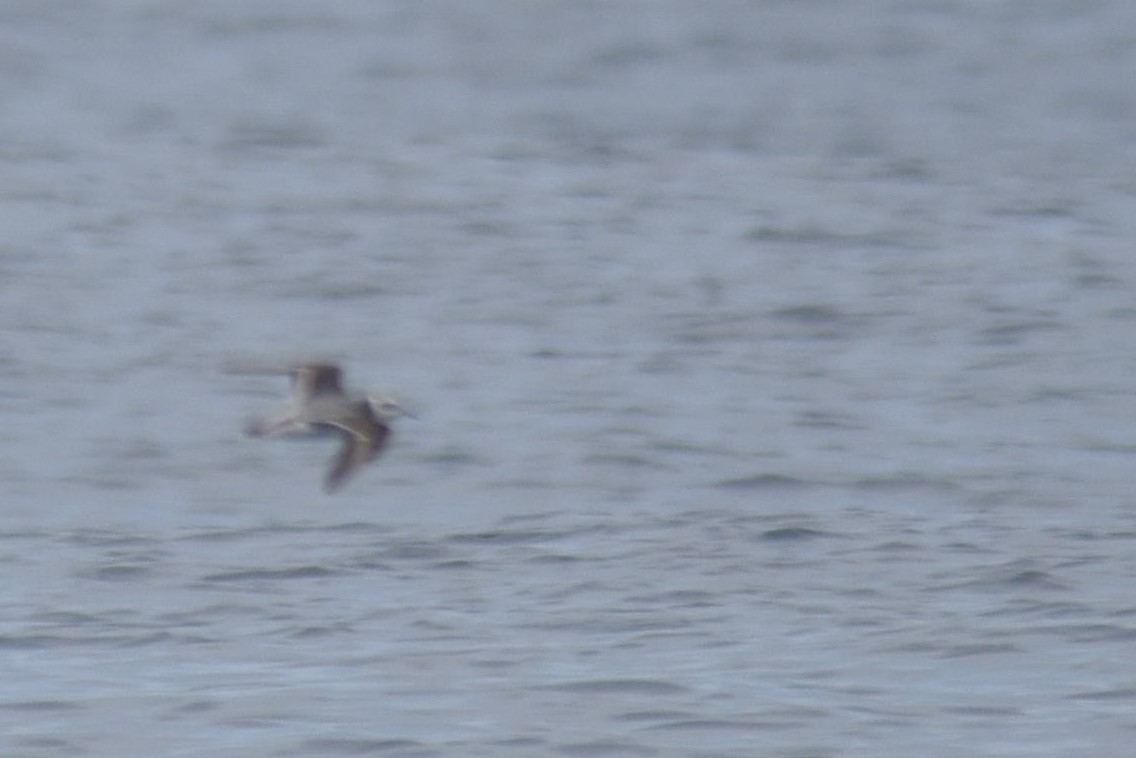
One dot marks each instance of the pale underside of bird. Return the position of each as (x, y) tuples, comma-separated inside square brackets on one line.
[(319, 407)]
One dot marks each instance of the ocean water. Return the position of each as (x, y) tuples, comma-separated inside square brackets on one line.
[(772, 363)]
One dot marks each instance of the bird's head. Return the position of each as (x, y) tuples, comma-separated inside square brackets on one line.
[(388, 407)]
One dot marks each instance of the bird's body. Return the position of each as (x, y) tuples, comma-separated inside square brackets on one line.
[(319, 407)]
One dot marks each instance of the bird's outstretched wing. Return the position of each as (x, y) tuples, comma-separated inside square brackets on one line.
[(363, 438), (313, 379)]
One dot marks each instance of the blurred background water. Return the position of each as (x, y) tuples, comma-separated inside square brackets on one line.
[(773, 363)]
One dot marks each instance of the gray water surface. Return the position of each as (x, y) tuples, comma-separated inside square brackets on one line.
[(773, 364)]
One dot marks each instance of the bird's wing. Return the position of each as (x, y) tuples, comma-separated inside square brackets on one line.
[(312, 379), (362, 441)]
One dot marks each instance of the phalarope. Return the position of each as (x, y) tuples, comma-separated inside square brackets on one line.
[(320, 406)]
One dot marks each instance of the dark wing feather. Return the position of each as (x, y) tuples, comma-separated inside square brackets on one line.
[(312, 379), (363, 439)]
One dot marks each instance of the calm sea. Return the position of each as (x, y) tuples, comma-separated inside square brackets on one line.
[(772, 363)]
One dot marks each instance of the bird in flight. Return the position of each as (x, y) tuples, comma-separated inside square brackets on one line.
[(320, 406)]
